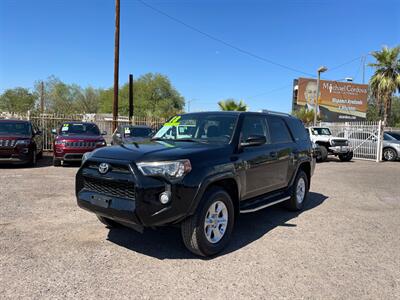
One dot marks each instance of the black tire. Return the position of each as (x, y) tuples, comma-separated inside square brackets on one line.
[(108, 222), (389, 154), (346, 156), (295, 203), (56, 162), (323, 154), (193, 228), (33, 159)]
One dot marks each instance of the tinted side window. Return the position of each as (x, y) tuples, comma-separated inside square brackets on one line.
[(278, 130), (254, 125), (298, 131)]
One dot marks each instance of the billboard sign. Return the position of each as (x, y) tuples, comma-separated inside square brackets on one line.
[(338, 102)]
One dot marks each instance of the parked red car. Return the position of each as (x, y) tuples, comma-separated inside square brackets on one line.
[(20, 142), (74, 139)]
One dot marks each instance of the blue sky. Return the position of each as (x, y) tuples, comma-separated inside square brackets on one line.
[(74, 40)]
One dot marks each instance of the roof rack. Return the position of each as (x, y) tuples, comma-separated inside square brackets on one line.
[(266, 111)]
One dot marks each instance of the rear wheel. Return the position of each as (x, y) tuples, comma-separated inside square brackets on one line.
[(56, 162), (299, 192), (208, 231), (346, 156), (389, 154), (108, 222)]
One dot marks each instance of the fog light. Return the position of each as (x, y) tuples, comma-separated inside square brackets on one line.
[(165, 197)]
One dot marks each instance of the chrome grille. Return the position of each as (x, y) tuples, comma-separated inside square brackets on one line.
[(7, 143), (110, 188), (80, 144)]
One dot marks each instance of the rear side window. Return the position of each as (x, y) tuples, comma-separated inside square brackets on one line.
[(278, 130), (298, 131)]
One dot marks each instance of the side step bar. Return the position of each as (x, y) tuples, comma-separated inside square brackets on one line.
[(250, 210)]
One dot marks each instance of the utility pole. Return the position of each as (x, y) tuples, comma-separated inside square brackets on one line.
[(42, 97), (116, 65), (130, 98)]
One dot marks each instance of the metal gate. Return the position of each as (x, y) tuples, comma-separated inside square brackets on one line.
[(47, 122), (366, 138)]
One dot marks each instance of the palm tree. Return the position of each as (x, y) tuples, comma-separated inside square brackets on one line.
[(232, 104), (386, 79)]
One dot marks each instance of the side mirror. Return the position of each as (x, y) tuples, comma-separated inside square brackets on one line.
[(104, 133), (54, 131), (254, 140)]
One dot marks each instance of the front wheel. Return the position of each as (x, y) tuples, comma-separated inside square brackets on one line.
[(323, 154), (346, 156), (208, 231)]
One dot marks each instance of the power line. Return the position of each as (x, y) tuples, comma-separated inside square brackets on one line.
[(239, 49)]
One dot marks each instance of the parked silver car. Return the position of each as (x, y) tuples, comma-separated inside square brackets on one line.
[(365, 144)]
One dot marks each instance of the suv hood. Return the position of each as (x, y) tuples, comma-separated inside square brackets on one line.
[(14, 137), (161, 151)]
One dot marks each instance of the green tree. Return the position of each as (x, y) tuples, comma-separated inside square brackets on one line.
[(87, 100), (386, 79), (18, 100), (232, 105), (153, 96)]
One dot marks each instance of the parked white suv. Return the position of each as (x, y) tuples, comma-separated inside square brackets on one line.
[(329, 144)]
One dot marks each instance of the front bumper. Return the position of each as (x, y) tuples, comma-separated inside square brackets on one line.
[(15, 156), (126, 196), (340, 149)]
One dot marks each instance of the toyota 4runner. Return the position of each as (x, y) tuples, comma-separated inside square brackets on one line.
[(200, 171)]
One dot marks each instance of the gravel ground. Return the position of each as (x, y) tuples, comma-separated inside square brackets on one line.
[(345, 244)]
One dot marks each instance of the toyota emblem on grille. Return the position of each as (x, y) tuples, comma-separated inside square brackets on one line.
[(103, 168)]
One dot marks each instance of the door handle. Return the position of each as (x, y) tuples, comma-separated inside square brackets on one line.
[(273, 154)]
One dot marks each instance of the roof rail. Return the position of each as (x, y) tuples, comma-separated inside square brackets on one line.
[(266, 111)]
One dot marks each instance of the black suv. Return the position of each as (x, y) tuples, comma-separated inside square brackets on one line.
[(200, 170)]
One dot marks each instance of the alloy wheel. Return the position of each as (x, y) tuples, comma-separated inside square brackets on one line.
[(216, 222), (300, 190)]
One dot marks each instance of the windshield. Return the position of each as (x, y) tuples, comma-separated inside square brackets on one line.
[(394, 135), (216, 128), (7, 128), (79, 129), (137, 132), (321, 131)]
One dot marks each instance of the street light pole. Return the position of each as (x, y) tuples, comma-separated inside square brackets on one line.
[(319, 71)]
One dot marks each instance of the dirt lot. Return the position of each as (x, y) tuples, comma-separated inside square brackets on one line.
[(346, 244)]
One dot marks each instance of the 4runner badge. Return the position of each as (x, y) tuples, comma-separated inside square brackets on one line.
[(103, 168)]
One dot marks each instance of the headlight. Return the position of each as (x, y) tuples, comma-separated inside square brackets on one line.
[(101, 143), (60, 142), (22, 142), (85, 157), (169, 169), (333, 143), (315, 146)]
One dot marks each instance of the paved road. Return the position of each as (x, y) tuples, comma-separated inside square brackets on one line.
[(346, 244)]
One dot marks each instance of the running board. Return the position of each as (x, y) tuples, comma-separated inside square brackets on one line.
[(250, 210)]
